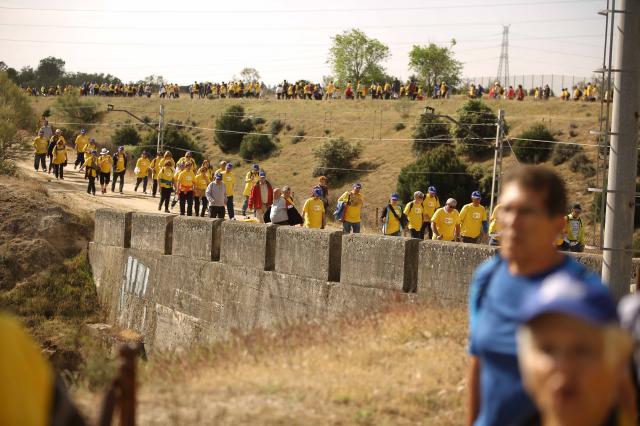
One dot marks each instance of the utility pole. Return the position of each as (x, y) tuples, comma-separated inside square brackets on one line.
[(160, 129), (497, 154), (502, 75), (618, 230)]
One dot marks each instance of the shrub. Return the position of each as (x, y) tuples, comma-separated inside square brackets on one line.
[(256, 147), (231, 127), (327, 132), (258, 120), (581, 163), (127, 135), (429, 127), (288, 127), (563, 152), (299, 136), (276, 126), (175, 140), (336, 153), (530, 151), (73, 109), (399, 126), (476, 117), (450, 176)]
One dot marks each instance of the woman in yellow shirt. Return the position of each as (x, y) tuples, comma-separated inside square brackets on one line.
[(165, 182), (414, 211), (313, 210), (201, 183), (391, 217), (185, 182), (105, 162), (155, 167), (250, 179), (91, 167), (59, 159), (142, 171)]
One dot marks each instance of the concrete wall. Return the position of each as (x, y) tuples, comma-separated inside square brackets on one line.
[(178, 281)]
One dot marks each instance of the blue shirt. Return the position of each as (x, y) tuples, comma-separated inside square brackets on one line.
[(496, 297)]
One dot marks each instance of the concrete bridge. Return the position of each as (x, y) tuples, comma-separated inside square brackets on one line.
[(184, 280)]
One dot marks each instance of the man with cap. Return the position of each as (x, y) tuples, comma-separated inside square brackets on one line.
[(473, 220), (91, 167), (573, 355), (414, 210), (46, 129), (216, 194), (119, 168), (533, 200), (574, 231), (53, 141), (40, 145), (105, 163), (229, 180), (445, 223), (91, 146), (249, 180), (82, 140), (391, 217), (313, 210), (431, 204), (261, 196), (352, 216)]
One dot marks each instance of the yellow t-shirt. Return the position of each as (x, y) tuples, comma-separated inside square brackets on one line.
[(91, 146), (91, 167), (229, 180), (353, 210), (143, 167), (59, 153), (392, 225), (167, 160), (446, 223), (156, 166), (105, 162), (165, 177), (431, 203), (186, 180), (414, 212), (251, 178), (202, 181), (494, 226), (313, 212), (471, 218), (40, 145), (81, 142), (120, 162)]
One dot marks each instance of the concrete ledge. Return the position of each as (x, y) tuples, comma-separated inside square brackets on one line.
[(379, 261), (196, 237), (250, 245), (311, 253), (113, 228), (152, 232)]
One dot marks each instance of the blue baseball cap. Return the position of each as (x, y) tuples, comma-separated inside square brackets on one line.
[(229, 166), (357, 185), (262, 174), (317, 191), (83, 131), (432, 190), (476, 194), (561, 293), (395, 197), (92, 140), (218, 176), (255, 167)]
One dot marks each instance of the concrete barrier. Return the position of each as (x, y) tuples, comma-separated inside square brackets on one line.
[(379, 261), (152, 232), (113, 228), (196, 237), (311, 253), (248, 244)]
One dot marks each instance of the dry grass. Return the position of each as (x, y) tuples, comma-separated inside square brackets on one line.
[(401, 366)]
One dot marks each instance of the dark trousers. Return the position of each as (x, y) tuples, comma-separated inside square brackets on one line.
[(40, 160), (50, 161), (427, 231), (154, 187), (104, 178), (216, 211), (201, 200), (230, 206), (91, 188), (245, 204), (58, 171), (144, 183), (471, 240), (79, 159), (165, 195), (115, 179), (419, 234), (186, 198)]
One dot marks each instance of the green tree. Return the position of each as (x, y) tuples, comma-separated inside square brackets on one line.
[(50, 70), (231, 126), (353, 56), (256, 147), (73, 109), (249, 74), (126, 135), (434, 64), (532, 151), (476, 118), (430, 127), (176, 140), (336, 154)]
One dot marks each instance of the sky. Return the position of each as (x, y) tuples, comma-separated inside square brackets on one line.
[(212, 41)]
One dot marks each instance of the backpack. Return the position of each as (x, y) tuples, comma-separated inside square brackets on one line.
[(341, 208), (404, 221)]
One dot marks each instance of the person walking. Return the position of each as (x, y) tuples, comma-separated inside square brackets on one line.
[(278, 214), (53, 141), (166, 177), (392, 217), (250, 179), (105, 164), (431, 204), (59, 158), (494, 226), (216, 196), (414, 211), (142, 171), (155, 166), (185, 182), (445, 223), (119, 168), (40, 145), (91, 171), (353, 201), (82, 140), (200, 187), (261, 196), (313, 210), (473, 220), (229, 180), (46, 129)]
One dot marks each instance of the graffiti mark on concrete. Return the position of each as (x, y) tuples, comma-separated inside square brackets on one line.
[(136, 278)]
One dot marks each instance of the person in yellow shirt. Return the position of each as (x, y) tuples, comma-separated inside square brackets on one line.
[(59, 158), (82, 140), (445, 222), (40, 145), (431, 204), (494, 226), (250, 179), (185, 182), (91, 146), (165, 182), (105, 163), (229, 180), (354, 201), (473, 220), (202, 182), (155, 166), (188, 158), (168, 158), (91, 167), (119, 168), (142, 171), (313, 210), (222, 168), (53, 141), (414, 211), (391, 217)]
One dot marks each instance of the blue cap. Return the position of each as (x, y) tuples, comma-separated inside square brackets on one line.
[(395, 197), (561, 293), (41, 132), (357, 185), (229, 166), (255, 167), (94, 152), (92, 140), (476, 194), (83, 131), (262, 174), (218, 176), (121, 148), (432, 190), (317, 191)]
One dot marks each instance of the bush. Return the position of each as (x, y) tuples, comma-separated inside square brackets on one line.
[(562, 153), (299, 136), (175, 140), (288, 127), (256, 147), (73, 109), (336, 153), (258, 120), (530, 151), (127, 135), (231, 127), (276, 126), (581, 163), (429, 127), (399, 126), (451, 177), (474, 115)]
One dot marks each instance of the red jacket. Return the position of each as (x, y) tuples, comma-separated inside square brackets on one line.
[(255, 199)]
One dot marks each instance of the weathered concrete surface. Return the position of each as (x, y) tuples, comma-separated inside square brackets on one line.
[(248, 244), (113, 228), (312, 253), (196, 237), (379, 261), (152, 232)]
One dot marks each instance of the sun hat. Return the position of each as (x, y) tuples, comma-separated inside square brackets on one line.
[(104, 151)]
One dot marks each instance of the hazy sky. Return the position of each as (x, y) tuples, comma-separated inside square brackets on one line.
[(208, 40)]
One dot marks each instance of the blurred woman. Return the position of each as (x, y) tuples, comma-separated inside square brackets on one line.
[(278, 213), (201, 183), (59, 158)]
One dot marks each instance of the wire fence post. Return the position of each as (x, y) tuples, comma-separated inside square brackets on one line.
[(497, 149)]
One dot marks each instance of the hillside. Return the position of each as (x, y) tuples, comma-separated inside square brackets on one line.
[(371, 122)]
